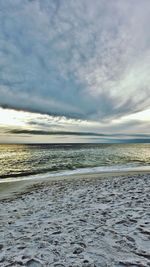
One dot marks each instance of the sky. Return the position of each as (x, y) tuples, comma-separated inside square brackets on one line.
[(74, 71)]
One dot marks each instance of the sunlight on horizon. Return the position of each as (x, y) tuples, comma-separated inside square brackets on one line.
[(14, 118), (143, 116), (10, 117), (18, 120)]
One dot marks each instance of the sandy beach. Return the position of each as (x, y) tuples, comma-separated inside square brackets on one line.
[(84, 222)]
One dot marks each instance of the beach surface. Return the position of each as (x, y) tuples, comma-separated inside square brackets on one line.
[(97, 221)]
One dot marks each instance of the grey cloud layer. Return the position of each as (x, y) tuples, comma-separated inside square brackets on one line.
[(84, 59), (97, 137)]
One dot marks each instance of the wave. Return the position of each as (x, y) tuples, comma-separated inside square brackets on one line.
[(80, 171)]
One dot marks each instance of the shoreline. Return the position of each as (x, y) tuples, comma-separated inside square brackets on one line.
[(11, 190), (86, 222)]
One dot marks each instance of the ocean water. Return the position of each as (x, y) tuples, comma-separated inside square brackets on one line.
[(45, 160)]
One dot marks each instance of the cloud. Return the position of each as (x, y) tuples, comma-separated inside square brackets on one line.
[(81, 136), (79, 59), (22, 126), (41, 132), (64, 133)]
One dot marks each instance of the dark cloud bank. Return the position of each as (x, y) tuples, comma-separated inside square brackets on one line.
[(83, 59)]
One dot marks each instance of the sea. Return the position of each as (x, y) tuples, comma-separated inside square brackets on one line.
[(23, 162)]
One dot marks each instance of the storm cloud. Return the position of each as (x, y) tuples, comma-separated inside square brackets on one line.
[(80, 59)]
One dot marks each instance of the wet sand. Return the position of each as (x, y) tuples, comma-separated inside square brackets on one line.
[(92, 221), (12, 189)]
